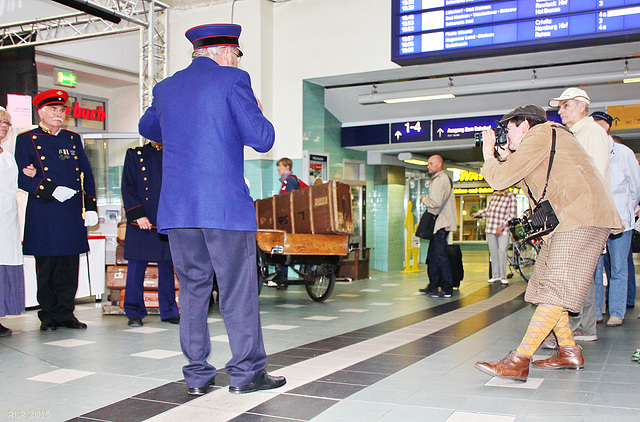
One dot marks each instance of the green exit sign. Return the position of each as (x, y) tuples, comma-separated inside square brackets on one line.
[(66, 79)]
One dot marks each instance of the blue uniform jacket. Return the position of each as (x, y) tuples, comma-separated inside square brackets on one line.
[(53, 228), (141, 181), (204, 115)]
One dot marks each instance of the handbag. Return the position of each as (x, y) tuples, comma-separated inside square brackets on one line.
[(635, 241), (428, 221), (543, 220)]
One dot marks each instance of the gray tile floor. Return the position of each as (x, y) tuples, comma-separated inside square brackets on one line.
[(412, 360)]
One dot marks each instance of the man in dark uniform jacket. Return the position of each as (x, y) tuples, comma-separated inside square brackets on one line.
[(57, 211), (204, 116), (141, 181)]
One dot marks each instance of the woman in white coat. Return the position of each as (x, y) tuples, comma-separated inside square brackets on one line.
[(11, 271)]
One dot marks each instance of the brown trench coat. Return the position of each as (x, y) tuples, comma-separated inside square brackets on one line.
[(576, 192)]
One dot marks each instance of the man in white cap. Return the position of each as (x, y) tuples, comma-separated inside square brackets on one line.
[(573, 107)]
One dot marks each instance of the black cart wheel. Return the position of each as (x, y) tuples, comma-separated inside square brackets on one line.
[(323, 284), (263, 268)]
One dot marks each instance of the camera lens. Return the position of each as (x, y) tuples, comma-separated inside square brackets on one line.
[(478, 139)]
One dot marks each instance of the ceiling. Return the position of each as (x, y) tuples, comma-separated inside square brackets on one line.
[(501, 84)]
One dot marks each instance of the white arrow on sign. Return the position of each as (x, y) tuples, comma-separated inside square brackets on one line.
[(398, 134), (440, 131)]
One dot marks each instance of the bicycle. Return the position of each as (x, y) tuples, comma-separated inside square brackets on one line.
[(522, 253)]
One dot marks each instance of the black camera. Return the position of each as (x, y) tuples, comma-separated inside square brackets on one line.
[(501, 135)]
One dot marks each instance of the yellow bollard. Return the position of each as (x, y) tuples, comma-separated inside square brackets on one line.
[(412, 248)]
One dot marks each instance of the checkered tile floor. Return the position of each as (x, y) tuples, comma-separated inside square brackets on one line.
[(377, 350)]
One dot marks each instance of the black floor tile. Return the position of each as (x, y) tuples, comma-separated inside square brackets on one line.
[(129, 410), (294, 407), (384, 364), (173, 392), (331, 390)]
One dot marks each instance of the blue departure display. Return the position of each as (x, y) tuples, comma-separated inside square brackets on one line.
[(437, 30)]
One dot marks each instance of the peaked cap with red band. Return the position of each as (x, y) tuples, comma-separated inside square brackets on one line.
[(50, 97), (214, 34)]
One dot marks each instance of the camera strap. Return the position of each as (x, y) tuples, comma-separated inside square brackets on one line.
[(551, 154)]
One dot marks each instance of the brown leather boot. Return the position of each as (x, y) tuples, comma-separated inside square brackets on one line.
[(566, 357), (514, 366)]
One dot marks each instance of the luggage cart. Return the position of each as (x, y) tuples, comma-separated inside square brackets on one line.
[(315, 258)]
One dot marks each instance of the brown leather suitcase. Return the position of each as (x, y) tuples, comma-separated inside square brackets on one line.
[(301, 211), (282, 207), (117, 277), (331, 208), (120, 259), (264, 213), (150, 299)]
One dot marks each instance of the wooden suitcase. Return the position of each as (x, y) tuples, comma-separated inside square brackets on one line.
[(319, 209), (150, 299), (117, 277), (331, 208), (282, 243), (264, 212), (282, 211)]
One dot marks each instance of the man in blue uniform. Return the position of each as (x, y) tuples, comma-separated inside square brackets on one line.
[(204, 116), (141, 181), (61, 204)]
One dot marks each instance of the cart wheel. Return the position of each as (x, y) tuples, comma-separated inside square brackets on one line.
[(323, 285), (263, 268)]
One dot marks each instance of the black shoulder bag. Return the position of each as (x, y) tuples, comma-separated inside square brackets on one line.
[(428, 221), (543, 220)]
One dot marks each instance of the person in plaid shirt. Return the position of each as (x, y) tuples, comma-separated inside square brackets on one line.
[(501, 209)]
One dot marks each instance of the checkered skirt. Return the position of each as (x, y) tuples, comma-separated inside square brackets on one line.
[(565, 266)]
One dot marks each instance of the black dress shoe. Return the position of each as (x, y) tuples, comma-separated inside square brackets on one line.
[(135, 322), (4, 331), (73, 323), (199, 391), (48, 325), (264, 382), (173, 320)]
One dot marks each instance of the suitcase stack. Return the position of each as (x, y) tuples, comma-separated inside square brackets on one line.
[(116, 281), (318, 209)]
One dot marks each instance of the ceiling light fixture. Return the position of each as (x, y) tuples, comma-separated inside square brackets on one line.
[(422, 98), (411, 158), (452, 91)]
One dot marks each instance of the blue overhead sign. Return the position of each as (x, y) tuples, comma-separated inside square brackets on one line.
[(462, 128), (415, 131)]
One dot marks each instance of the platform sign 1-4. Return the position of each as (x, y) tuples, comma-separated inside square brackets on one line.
[(415, 131), (462, 128)]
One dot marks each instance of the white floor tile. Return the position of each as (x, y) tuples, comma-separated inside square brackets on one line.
[(210, 320), (389, 285), (478, 417), (347, 295), (354, 310), (70, 343), (223, 338), (279, 327), (321, 318), (370, 290), (290, 306), (380, 304), (145, 330), (60, 376), (532, 383), (157, 354)]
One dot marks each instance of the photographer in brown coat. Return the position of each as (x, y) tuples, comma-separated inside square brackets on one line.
[(568, 256)]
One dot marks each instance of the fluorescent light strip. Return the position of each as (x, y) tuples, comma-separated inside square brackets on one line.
[(422, 98), (416, 161), (631, 80)]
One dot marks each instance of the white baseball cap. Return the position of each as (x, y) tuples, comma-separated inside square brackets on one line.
[(570, 94)]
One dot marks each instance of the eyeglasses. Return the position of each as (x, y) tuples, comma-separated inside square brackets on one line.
[(5, 123), (239, 54)]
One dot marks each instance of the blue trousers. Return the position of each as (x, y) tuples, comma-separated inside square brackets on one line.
[(198, 254), (133, 296), (618, 247), (438, 265)]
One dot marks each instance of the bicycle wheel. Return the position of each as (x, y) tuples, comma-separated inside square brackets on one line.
[(323, 284), (528, 253)]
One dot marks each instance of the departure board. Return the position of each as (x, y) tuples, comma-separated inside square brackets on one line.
[(425, 31)]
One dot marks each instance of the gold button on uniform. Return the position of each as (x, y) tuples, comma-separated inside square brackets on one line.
[(39, 146), (42, 157), (144, 178), (41, 187), (75, 157), (144, 168), (46, 169), (139, 152)]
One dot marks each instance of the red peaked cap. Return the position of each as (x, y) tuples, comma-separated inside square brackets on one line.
[(214, 34), (50, 97)]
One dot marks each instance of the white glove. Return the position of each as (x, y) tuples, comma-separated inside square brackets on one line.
[(92, 219), (62, 193)]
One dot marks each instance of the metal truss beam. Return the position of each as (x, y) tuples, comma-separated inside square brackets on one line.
[(147, 16)]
